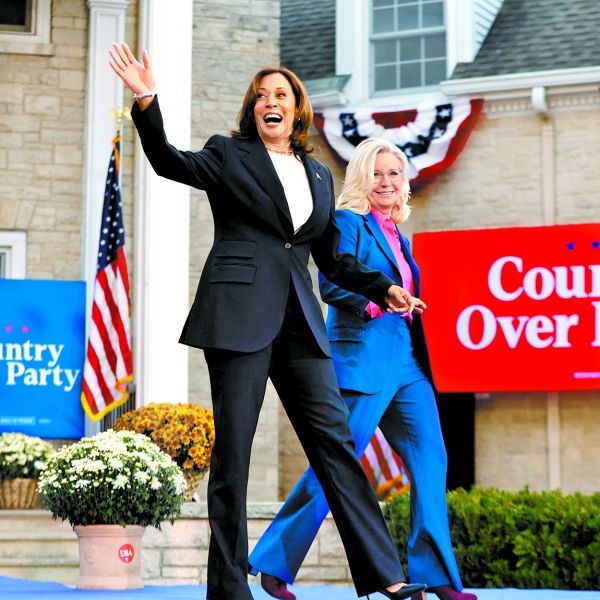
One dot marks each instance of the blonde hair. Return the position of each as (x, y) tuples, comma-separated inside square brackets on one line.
[(360, 179)]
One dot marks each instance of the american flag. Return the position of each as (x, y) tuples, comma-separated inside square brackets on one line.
[(431, 134), (108, 368), (384, 468)]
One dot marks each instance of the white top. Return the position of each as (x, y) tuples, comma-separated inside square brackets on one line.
[(293, 178)]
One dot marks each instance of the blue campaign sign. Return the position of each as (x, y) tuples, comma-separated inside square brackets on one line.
[(42, 350)]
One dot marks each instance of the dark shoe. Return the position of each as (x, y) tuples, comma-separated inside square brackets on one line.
[(275, 587), (445, 592), (405, 591)]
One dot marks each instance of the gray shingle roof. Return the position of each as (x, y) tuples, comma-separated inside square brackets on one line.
[(538, 35), (307, 43)]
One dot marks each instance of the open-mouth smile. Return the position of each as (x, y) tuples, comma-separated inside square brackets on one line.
[(272, 118)]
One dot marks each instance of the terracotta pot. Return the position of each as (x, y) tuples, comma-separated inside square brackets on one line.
[(110, 557)]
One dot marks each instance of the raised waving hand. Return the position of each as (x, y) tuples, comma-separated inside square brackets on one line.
[(138, 77)]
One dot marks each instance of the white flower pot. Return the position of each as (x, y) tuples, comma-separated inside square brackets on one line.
[(110, 557)]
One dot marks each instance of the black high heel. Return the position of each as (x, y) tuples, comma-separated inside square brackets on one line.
[(404, 592)]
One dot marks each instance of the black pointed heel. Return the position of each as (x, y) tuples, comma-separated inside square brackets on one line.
[(404, 592)]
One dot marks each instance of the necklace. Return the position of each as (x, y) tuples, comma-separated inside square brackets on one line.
[(285, 152)]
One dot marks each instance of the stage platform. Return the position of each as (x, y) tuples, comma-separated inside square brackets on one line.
[(27, 589)]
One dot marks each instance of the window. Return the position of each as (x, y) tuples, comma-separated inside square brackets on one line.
[(16, 16), (25, 26), (12, 254), (408, 44)]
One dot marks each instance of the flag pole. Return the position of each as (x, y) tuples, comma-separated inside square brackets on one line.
[(108, 369), (120, 114)]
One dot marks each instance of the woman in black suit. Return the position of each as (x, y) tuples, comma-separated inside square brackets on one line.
[(256, 316)]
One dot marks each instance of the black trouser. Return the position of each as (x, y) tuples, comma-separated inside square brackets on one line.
[(306, 383)]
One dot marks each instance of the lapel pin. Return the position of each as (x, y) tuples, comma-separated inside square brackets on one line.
[(318, 177)]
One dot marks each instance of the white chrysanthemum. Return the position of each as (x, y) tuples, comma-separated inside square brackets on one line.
[(120, 481), (84, 464), (115, 463), (141, 476), (180, 483)]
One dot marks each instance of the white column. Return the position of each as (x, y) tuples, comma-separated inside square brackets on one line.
[(162, 214), (553, 429), (352, 47), (553, 426), (460, 32), (103, 92)]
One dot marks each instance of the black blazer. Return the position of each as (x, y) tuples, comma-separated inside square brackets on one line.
[(243, 291)]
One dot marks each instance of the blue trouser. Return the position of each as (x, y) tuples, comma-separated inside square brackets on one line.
[(406, 412)]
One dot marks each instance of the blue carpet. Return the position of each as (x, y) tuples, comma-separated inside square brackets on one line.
[(26, 589)]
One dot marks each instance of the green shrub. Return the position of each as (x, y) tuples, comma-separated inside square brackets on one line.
[(517, 539)]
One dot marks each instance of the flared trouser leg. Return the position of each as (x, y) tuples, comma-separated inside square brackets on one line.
[(238, 383), (306, 383), (283, 547), (412, 428)]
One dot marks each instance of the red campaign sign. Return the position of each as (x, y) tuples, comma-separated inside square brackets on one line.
[(512, 309)]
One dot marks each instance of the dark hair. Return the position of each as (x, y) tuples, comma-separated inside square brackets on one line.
[(300, 138)]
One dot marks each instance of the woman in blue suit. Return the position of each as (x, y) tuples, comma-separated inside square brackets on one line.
[(383, 371)]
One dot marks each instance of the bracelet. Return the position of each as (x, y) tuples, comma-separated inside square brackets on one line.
[(144, 95)]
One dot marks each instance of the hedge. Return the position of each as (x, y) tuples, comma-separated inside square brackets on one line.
[(517, 539)]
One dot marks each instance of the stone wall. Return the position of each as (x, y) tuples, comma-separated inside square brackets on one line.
[(42, 103), (42, 136)]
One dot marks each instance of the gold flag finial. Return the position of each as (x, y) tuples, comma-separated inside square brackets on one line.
[(119, 113)]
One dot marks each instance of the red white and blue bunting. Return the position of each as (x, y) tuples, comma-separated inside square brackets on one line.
[(431, 135)]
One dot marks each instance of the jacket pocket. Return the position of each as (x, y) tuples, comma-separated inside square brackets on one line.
[(232, 274), (235, 249)]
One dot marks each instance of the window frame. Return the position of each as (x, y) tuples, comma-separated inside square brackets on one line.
[(36, 41), (13, 244), (397, 35)]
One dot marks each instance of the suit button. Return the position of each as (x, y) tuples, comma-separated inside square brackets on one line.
[(287, 246)]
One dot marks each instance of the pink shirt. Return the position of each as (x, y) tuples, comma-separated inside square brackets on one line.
[(388, 227)]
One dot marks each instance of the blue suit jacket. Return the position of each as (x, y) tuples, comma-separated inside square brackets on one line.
[(361, 346)]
